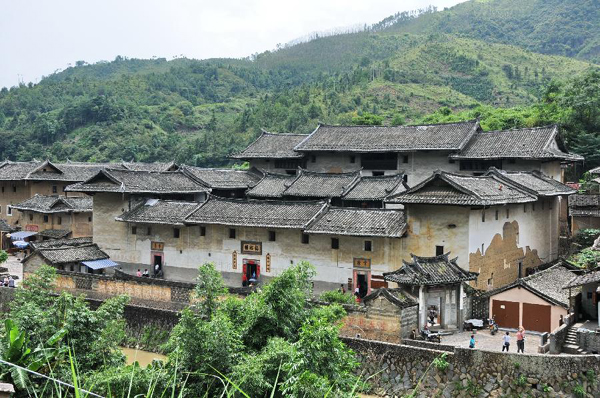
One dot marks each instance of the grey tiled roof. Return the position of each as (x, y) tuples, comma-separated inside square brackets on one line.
[(359, 222), (159, 212), (155, 166), (10, 171), (6, 227), (44, 244), (69, 172), (271, 186), (128, 181), (528, 143), (450, 136), (309, 184), (595, 171), (256, 213), (224, 178), (548, 284), (398, 297), (534, 181), (430, 271), (376, 187), (272, 146), (55, 204), (583, 279), (584, 205), (55, 233), (463, 190), (71, 254)]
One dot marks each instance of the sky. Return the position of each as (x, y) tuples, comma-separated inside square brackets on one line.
[(39, 37)]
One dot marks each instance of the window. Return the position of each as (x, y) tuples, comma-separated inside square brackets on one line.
[(480, 165), (511, 161), (231, 233), (352, 159), (289, 163), (59, 220), (378, 173), (149, 230), (290, 172), (379, 161), (15, 188), (176, 233), (490, 281), (533, 207), (525, 208), (45, 218), (54, 189), (90, 219), (313, 158), (404, 158), (133, 230), (2, 189), (483, 216), (368, 246), (405, 178), (482, 247), (8, 211), (335, 243), (507, 213), (439, 250), (496, 214), (30, 217), (305, 239), (272, 236), (202, 230)]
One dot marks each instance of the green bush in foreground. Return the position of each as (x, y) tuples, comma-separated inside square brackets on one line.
[(335, 296)]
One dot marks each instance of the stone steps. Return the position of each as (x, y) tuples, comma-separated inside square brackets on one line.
[(571, 345)]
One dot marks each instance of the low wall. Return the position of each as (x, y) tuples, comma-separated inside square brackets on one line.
[(589, 340), (558, 336), (396, 369), (428, 345)]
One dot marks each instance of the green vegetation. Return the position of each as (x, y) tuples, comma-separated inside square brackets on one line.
[(586, 258), (586, 237), (271, 342), (335, 296), (441, 363)]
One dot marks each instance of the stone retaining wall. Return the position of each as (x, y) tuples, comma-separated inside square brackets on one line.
[(589, 340), (395, 370)]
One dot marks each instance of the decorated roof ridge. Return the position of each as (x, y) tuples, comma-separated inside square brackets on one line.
[(409, 301), (447, 177), (427, 271), (476, 120), (505, 175)]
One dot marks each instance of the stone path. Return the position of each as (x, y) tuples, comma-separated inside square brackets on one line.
[(14, 267), (485, 341)]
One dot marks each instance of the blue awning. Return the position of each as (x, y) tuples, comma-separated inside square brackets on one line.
[(20, 235), (21, 244), (100, 264)]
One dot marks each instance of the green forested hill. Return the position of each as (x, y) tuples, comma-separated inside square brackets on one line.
[(197, 112)]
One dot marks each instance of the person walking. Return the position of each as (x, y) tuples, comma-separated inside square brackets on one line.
[(506, 342), (472, 341), (521, 340)]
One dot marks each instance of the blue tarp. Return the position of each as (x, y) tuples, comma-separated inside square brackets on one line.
[(99, 264), (20, 235), (21, 244)]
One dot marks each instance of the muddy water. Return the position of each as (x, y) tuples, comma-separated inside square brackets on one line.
[(144, 358)]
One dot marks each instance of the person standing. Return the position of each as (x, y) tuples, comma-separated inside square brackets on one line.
[(521, 340), (472, 341), (342, 289), (506, 342)]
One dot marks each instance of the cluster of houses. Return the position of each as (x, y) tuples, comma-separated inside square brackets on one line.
[(437, 210)]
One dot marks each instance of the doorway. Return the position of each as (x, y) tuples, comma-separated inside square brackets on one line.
[(362, 282), (250, 272), (157, 258)]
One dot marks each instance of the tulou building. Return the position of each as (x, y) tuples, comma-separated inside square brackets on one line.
[(369, 207)]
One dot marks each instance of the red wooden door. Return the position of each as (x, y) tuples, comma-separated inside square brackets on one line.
[(506, 313), (536, 317)]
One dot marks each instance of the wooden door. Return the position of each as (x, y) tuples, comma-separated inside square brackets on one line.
[(506, 313), (536, 317)]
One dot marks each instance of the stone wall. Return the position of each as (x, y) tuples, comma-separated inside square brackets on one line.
[(396, 370), (589, 340), (558, 336)]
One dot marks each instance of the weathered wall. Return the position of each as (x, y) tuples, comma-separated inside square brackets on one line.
[(80, 224), (421, 165), (578, 223), (588, 297), (397, 369), (191, 250), (589, 340), (8, 197), (111, 236)]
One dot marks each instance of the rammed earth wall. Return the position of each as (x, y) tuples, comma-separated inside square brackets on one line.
[(395, 370)]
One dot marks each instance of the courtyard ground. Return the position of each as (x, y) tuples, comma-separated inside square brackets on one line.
[(485, 341), (15, 267)]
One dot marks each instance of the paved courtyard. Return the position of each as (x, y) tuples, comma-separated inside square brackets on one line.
[(15, 267), (485, 341)]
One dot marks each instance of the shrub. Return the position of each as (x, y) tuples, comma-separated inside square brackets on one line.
[(441, 363), (586, 237), (335, 296), (587, 258), (579, 391)]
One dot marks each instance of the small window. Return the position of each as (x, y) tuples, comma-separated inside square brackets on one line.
[(149, 230), (176, 233), (30, 217), (313, 158), (272, 236), (8, 211), (405, 178), (482, 249), (533, 207), (368, 246), (496, 214), (90, 219), (525, 208), (483, 216), (54, 189), (15, 188), (133, 230), (45, 218), (335, 243), (59, 220), (511, 161), (2, 189), (305, 239), (490, 280), (439, 250), (202, 230), (507, 213), (352, 159), (378, 173), (231, 233), (405, 159)]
